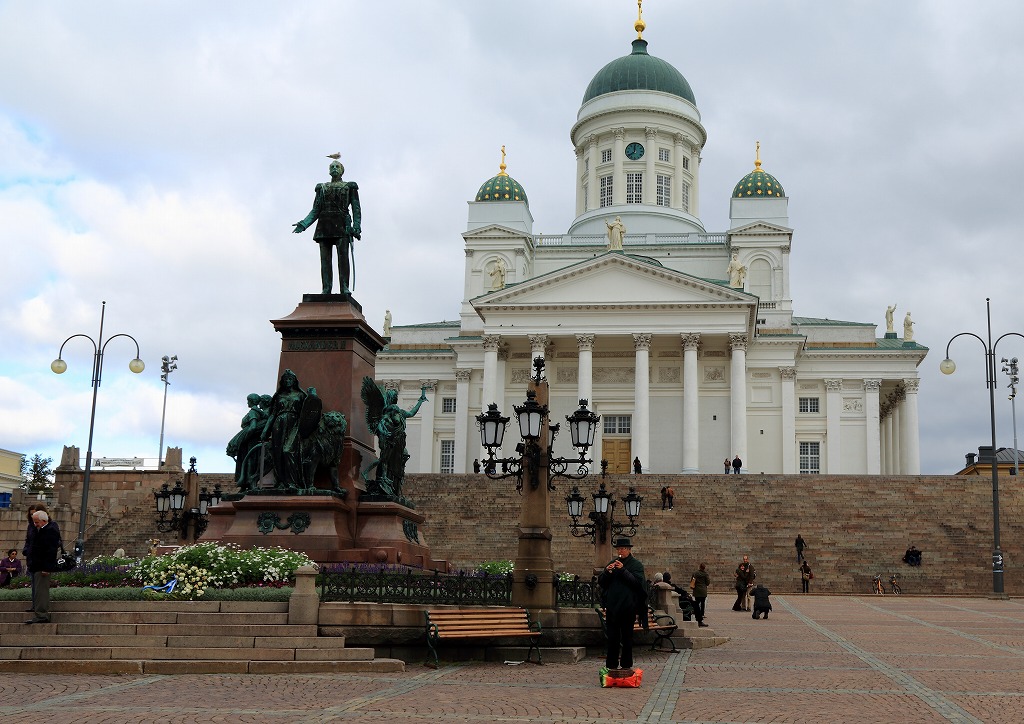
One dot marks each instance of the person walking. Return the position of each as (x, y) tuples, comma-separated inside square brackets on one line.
[(699, 582), (664, 498), (745, 576), (800, 545), (622, 583), (669, 495), (806, 576), (637, 467), (728, 464), (736, 464)]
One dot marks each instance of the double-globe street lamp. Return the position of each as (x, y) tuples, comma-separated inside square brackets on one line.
[(1013, 372), (172, 500), (948, 367), (59, 366), (603, 526)]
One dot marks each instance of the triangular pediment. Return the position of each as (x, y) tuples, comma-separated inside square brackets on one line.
[(493, 231), (761, 228), (613, 280)]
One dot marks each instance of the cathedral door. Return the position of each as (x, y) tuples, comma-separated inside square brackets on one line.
[(618, 452)]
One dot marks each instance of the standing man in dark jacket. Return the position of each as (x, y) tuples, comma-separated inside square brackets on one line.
[(701, 580), (744, 577), (42, 561), (622, 582), (737, 464)]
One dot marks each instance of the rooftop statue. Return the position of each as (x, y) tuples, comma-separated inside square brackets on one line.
[(889, 311), (737, 272), (387, 421), (335, 227), (616, 233), (908, 328)]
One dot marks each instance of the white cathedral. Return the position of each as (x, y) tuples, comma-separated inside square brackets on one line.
[(683, 340)]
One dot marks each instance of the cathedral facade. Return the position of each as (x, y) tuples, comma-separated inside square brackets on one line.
[(685, 341)]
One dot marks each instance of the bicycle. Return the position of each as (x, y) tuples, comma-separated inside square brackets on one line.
[(894, 582), (876, 585)]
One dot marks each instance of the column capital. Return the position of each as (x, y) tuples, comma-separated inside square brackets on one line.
[(620, 133), (834, 385), (737, 342), (591, 140), (491, 342), (872, 385), (788, 373), (651, 133), (463, 375), (391, 384), (691, 340), (679, 138), (585, 342), (641, 341), (538, 342), (911, 384), (428, 384)]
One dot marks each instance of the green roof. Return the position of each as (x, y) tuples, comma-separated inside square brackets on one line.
[(639, 71), (758, 184), (820, 322), (501, 188)]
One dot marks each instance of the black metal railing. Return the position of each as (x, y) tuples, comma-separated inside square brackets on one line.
[(577, 593), (381, 584)]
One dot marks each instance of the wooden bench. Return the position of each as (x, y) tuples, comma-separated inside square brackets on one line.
[(661, 624), (462, 624)]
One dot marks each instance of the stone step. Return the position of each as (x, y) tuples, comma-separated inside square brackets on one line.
[(241, 666), (155, 617), (167, 629)]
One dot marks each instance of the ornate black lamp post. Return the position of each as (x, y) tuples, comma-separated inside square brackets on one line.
[(602, 519), (948, 367), (59, 366), (172, 501), (533, 576), (1013, 372)]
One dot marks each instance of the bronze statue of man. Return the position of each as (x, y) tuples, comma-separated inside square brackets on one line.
[(335, 227)]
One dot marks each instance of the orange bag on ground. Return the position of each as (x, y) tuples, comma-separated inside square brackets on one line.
[(625, 680)]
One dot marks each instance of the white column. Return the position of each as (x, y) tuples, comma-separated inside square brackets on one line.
[(789, 449), (538, 342), (833, 428), (618, 177), (592, 185), (691, 407), (585, 369), (580, 183), (426, 414), (695, 188), (886, 439), (462, 411), (489, 393), (910, 442), (738, 395), (873, 447), (897, 457), (641, 444), (651, 154), (677, 175)]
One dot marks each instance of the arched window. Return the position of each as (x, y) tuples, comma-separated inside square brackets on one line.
[(759, 279)]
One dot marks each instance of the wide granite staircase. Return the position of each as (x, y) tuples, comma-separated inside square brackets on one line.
[(170, 637)]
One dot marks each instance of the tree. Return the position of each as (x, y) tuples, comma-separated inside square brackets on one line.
[(37, 474)]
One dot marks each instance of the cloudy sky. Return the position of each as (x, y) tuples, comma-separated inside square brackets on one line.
[(154, 155)]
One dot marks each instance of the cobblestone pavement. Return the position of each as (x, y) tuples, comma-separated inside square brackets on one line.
[(817, 659)]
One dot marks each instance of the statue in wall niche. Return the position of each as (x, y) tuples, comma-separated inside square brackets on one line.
[(908, 328), (498, 273), (247, 469), (387, 421), (889, 311), (616, 233), (335, 227), (736, 271)]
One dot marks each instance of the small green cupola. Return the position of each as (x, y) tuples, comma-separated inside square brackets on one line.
[(758, 183), (501, 187)]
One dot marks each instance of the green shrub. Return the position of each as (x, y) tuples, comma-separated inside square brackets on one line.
[(495, 567)]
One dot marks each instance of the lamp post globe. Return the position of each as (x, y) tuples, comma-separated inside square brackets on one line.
[(947, 366)]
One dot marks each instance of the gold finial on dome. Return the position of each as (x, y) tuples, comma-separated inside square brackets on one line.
[(639, 25), (757, 159), (501, 168)]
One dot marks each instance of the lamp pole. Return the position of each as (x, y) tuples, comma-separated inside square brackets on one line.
[(167, 366), (948, 367), (1011, 369), (59, 366)]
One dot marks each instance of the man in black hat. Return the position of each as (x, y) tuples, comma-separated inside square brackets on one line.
[(622, 582)]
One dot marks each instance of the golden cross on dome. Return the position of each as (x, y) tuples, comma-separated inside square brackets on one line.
[(757, 159), (639, 25), (501, 168)]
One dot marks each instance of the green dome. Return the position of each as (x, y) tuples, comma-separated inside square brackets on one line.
[(639, 71), (501, 188), (758, 184)]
